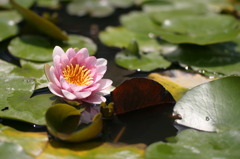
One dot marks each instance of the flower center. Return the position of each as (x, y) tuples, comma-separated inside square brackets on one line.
[(78, 75)]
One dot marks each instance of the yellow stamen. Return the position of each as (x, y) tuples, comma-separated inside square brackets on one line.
[(78, 75)]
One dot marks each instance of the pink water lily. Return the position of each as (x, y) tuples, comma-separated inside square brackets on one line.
[(76, 76)]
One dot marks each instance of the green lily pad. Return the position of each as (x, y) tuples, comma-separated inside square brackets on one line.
[(146, 62), (134, 22), (199, 30), (31, 142), (120, 37), (63, 122), (10, 150), (211, 145), (212, 106), (16, 101), (222, 58), (10, 16), (35, 48), (37, 145), (95, 8), (53, 4), (9, 30), (24, 3), (39, 23), (38, 48), (207, 6)]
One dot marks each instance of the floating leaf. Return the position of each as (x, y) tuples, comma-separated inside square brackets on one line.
[(9, 30), (31, 142), (29, 47), (53, 4), (146, 62), (10, 150), (222, 58), (40, 23), (211, 106), (120, 37), (199, 30), (134, 22), (9, 16), (16, 101), (61, 115), (25, 3), (38, 48), (95, 8), (212, 145), (138, 93), (178, 82), (37, 145)]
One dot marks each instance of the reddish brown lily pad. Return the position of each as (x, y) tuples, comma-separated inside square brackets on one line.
[(138, 93)]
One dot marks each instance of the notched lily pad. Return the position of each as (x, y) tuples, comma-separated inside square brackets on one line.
[(211, 106), (61, 115)]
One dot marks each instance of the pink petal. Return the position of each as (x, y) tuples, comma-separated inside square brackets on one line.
[(55, 90), (47, 72), (95, 99), (92, 87), (104, 83), (64, 60), (81, 95), (90, 62), (64, 84), (70, 53), (53, 78), (68, 95), (57, 65), (81, 56), (101, 61), (57, 51), (76, 88)]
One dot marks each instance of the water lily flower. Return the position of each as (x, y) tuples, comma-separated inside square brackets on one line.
[(76, 76)]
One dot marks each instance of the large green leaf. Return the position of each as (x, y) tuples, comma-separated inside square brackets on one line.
[(39, 48), (94, 7), (10, 16), (120, 37), (25, 3), (222, 58), (40, 23), (30, 142), (9, 30), (198, 145), (37, 145), (10, 150), (199, 29), (17, 104), (212, 106), (146, 62), (134, 22)]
